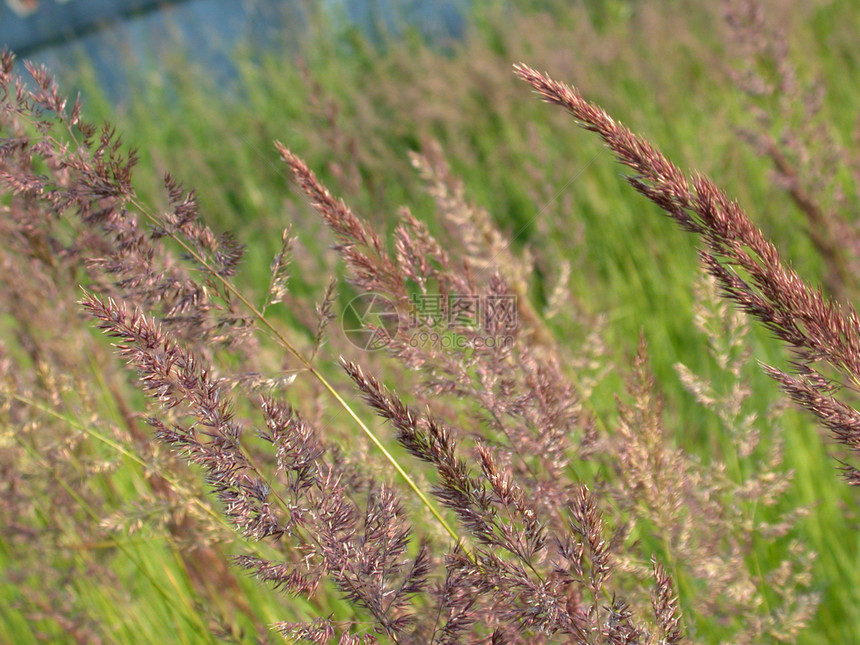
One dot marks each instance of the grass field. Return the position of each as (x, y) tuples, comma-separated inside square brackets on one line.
[(92, 552)]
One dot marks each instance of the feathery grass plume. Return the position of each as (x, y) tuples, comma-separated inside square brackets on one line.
[(280, 270), (725, 329), (215, 315), (362, 551), (72, 416), (747, 267), (345, 163), (665, 604), (144, 271), (685, 489), (484, 246), (176, 379), (324, 315), (789, 128), (517, 395), (70, 165), (693, 511), (531, 575)]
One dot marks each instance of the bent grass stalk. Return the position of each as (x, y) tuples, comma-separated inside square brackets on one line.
[(308, 365)]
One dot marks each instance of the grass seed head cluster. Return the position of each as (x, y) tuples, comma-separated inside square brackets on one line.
[(457, 491)]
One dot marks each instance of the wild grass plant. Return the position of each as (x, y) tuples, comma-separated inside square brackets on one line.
[(533, 478)]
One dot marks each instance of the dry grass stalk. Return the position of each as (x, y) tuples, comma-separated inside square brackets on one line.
[(748, 268)]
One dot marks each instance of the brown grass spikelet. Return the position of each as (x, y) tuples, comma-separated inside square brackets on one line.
[(747, 267), (666, 609)]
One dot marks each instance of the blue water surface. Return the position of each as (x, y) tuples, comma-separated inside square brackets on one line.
[(126, 39)]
